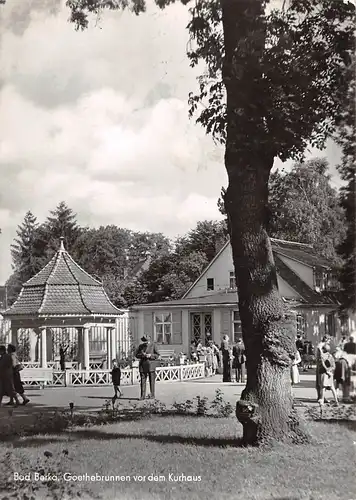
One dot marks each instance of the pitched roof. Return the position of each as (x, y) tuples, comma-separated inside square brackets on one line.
[(62, 288), (140, 267), (307, 294), (298, 251), (222, 298), (301, 252)]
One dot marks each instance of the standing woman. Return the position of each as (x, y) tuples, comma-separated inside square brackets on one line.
[(226, 358), (294, 371), (215, 354), (319, 365), (16, 367)]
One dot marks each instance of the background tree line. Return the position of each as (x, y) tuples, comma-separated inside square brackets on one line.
[(138, 267)]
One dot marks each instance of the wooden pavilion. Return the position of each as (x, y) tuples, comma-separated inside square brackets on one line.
[(64, 296)]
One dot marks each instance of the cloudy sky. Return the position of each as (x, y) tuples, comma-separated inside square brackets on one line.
[(99, 119)]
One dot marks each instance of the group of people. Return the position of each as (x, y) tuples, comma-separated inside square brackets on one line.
[(10, 377), (231, 359), (148, 357), (227, 357), (335, 367)]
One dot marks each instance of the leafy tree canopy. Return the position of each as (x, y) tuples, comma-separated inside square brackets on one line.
[(208, 237), (167, 278), (300, 80), (305, 208), (346, 138)]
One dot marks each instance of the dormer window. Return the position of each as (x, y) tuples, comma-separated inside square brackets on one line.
[(332, 281), (232, 283), (325, 280), (210, 284), (319, 280)]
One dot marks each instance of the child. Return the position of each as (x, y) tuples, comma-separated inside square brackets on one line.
[(327, 370), (116, 379)]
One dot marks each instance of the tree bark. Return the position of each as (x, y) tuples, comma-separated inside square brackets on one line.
[(266, 406)]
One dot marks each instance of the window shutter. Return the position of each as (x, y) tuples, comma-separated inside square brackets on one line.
[(177, 337), (148, 324), (226, 321)]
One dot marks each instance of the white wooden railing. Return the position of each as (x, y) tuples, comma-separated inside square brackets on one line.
[(55, 365), (129, 376)]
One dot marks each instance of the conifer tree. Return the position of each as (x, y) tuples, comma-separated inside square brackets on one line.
[(62, 222), (27, 255)]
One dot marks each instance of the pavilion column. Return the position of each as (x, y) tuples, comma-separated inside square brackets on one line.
[(33, 345), (108, 348), (86, 348), (14, 335), (113, 343), (80, 352), (43, 357)]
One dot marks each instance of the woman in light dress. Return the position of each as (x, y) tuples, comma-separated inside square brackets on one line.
[(294, 370), (327, 370), (319, 367)]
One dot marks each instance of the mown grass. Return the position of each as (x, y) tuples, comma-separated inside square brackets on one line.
[(204, 447)]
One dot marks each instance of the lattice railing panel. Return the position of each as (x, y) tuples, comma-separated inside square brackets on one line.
[(192, 371), (30, 364), (129, 376), (58, 378), (168, 374)]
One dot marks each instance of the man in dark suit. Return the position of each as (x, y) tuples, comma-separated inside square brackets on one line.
[(350, 346), (148, 355), (6, 376)]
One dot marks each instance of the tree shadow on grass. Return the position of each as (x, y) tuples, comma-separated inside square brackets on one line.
[(93, 434), (161, 438)]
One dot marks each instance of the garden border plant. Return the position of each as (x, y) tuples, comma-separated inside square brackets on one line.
[(59, 421)]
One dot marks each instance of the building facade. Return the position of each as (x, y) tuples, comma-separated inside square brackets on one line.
[(209, 309)]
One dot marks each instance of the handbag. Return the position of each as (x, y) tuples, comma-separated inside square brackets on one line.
[(19, 367)]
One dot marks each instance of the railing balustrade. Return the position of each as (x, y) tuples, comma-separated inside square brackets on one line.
[(129, 376)]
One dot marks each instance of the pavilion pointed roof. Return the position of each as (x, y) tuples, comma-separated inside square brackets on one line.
[(62, 288)]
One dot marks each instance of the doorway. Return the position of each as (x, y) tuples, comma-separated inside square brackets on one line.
[(201, 327)]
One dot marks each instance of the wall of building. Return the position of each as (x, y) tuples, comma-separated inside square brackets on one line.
[(222, 320), (220, 272), (142, 323)]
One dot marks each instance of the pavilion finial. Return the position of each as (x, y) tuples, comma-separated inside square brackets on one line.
[(61, 248)]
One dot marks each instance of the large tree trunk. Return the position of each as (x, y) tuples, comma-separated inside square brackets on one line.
[(266, 406)]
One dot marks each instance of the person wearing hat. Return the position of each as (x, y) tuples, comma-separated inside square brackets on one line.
[(350, 346), (148, 355)]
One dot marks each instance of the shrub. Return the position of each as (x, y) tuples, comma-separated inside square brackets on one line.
[(183, 408), (202, 406), (219, 406)]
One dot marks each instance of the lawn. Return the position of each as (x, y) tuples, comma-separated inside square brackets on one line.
[(189, 446)]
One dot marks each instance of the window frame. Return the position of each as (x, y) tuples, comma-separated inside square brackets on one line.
[(212, 287), (163, 322), (301, 324), (232, 281), (234, 321)]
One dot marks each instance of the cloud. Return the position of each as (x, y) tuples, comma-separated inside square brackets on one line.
[(100, 119)]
